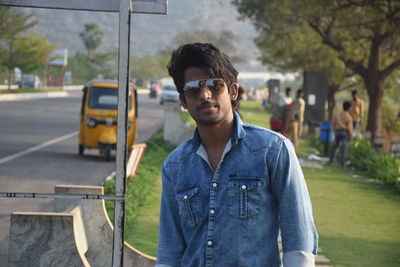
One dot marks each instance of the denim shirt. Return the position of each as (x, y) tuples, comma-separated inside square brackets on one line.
[(232, 217)]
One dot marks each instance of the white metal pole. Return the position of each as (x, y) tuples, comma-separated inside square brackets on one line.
[(120, 171)]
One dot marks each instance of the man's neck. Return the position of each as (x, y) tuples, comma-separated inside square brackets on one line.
[(214, 139), (215, 135)]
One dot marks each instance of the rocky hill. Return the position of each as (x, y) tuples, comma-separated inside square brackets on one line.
[(150, 32)]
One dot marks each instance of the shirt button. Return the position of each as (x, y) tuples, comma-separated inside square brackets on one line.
[(185, 197), (214, 185), (244, 187), (212, 211), (209, 243)]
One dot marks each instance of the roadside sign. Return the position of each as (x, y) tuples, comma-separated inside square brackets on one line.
[(138, 6)]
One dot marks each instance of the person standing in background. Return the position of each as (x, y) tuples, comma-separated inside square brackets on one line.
[(301, 105), (295, 117), (356, 110), (286, 99), (342, 124), (241, 96)]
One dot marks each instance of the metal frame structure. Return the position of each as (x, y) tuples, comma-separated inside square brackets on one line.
[(137, 6), (125, 8)]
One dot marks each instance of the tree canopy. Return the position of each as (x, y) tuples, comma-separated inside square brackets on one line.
[(20, 48), (91, 37), (361, 34), (225, 40)]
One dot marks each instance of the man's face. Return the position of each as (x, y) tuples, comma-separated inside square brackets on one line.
[(208, 107)]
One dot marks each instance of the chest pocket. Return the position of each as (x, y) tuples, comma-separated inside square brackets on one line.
[(244, 197), (189, 206)]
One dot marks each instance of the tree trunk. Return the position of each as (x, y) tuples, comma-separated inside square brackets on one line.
[(10, 62), (332, 89), (9, 78), (375, 88)]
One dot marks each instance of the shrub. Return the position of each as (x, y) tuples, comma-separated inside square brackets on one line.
[(374, 162)]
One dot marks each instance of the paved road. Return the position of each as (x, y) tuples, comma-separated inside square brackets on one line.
[(38, 150)]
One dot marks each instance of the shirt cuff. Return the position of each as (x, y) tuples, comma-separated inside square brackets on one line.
[(298, 259)]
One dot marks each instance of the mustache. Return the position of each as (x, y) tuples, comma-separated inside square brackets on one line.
[(206, 104)]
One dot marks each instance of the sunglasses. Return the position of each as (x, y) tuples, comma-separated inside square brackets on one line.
[(215, 85)]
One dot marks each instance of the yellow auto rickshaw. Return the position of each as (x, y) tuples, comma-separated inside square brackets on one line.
[(98, 117)]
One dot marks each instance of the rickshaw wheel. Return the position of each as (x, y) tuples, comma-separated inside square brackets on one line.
[(81, 149), (107, 152)]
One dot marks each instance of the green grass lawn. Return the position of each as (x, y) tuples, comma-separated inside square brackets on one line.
[(252, 112), (358, 221)]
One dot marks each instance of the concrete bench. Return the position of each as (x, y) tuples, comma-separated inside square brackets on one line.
[(98, 228), (137, 152), (47, 239)]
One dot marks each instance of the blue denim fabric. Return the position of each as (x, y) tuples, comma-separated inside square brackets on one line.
[(232, 217)]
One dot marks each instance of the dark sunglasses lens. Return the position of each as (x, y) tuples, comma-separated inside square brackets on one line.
[(194, 87), (215, 84)]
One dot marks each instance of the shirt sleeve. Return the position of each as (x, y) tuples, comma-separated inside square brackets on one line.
[(298, 259), (290, 190), (171, 244)]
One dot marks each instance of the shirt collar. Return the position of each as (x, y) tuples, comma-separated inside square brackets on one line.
[(237, 134)]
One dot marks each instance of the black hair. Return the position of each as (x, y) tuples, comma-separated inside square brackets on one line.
[(288, 89), (354, 92), (346, 105), (299, 92), (203, 56)]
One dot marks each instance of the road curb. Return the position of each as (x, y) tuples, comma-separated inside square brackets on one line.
[(27, 96)]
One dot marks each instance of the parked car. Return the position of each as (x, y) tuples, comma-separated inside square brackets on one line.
[(169, 94), (30, 81)]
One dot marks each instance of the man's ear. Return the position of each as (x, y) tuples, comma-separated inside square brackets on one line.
[(183, 100), (234, 91)]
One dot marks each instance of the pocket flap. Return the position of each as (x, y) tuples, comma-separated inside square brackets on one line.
[(245, 184), (187, 194)]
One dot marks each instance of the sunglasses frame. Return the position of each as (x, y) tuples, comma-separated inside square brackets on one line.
[(208, 82)]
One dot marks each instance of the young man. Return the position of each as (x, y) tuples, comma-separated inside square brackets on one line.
[(342, 124), (295, 118), (230, 189), (301, 106), (357, 109)]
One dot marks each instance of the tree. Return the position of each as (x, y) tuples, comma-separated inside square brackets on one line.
[(149, 67), (364, 34), (28, 52), (32, 53), (224, 40), (82, 68), (293, 48), (91, 37)]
